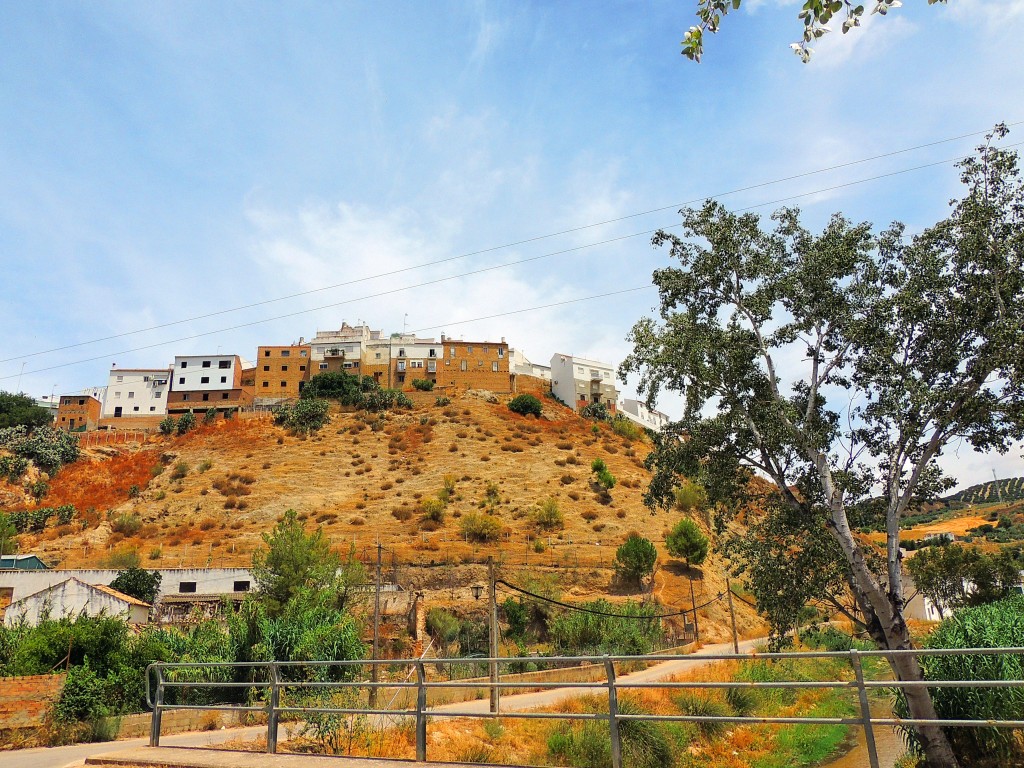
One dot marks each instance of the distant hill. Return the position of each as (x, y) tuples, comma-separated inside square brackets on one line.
[(1011, 489)]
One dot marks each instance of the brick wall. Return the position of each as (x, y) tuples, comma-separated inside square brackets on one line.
[(471, 365), (24, 701), (76, 411), (274, 368)]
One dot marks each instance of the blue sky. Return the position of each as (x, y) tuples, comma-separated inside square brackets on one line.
[(160, 161)]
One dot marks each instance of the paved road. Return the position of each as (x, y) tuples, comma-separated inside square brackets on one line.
[(58, 757)]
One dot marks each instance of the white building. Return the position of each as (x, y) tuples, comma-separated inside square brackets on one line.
[(134, 392), (519, 365), (638, 412), (579, 381), (349, 340), (73, 597)]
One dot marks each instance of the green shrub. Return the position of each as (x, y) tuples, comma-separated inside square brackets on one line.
[(126, 525), (306, 416), (598, 465), (180, 470), (686, 540), (433, 509), (547, 517), (46, 447), (635, 558), (13, 467), (996, 625), (525, 405), (623, 427), (645, 744), (703, 705), (186, 423), (210, 416), (81, 698), (742, 701), (423, 385), (168, 425), (479, 526), (598, 411), (442, 401)]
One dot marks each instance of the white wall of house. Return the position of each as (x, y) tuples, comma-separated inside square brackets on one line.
[(173, 581), (519, 364), (638, 412), (204, 373), (414, 356), (576, 377), (351, 339), (136, 391), (69, 598)]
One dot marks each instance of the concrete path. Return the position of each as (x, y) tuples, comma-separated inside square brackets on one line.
[(59, 757)]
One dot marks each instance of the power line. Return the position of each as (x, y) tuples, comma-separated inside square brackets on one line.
[(481, 271), (512, 244), (608, 614)]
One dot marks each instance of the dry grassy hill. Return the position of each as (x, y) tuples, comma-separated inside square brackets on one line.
[(205, 499)]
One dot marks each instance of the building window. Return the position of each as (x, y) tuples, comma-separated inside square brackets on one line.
[(494, 366), (401, 365), (323, 366), (302, 367), (579, 368), (303, 353), (136, 408), (469, 350), (451, 352), (241, 586), (120, 379), (463, 365), (186, 587), (223, 379), (81, 402), (447, 362), (204, 380), (432, 353), (117, 395), (401, 353), (284, 384), (285, 353), (152, 407), (131, 395), (501, 351), (224, 364), (145, 378), (181, 380), (184, 396), (431, 366), (284, 367), (206, 363), (266, 367), (377, 356), (157, 395), (224, 396), (184, 363), (416, 364), (401, 378), (266, 353), (266, 383), (206, 396)]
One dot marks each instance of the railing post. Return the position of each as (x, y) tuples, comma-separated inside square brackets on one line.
[(421, 713), (273, 703), (613, 714), (865, 708), (158, 703)]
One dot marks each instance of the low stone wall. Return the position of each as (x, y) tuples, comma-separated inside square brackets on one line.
[(24, 701), (181, 720)]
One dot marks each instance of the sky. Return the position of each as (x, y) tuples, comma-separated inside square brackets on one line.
[(164, 164)]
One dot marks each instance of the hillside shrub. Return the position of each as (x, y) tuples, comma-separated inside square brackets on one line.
[(525, 405), (547, 517), (338, 385), (645, 744), (433, 509), (305, 417), (479, 526), (46, 447), (423, 385), (210, 416), (168, 425), (440, 402), (13, 467), (623, 427), (126, 525), (596, 411), (586, 634), (186, 423), (996, 625), (687, 541)]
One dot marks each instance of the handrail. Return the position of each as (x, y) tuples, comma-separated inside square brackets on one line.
[(276, 683)]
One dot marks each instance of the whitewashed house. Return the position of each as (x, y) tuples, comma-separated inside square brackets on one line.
[(72, 597), (638, 412), (579, 381), (134, 392)]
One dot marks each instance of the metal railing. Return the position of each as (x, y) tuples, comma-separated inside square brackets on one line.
[(277, 682)]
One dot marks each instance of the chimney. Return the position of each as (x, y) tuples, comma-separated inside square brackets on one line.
[(442, 338)]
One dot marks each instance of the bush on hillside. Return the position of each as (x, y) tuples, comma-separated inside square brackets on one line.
[(423, 385), (304, 417), (596, 411), (46, 447), (338, 385), (186, 423), (547, 517), (525, 405), (479, 526), (687, 541), (623, 427), (168, 425)]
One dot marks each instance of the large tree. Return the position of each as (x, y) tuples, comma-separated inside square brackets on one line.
[(21, 410), (814, 16), (918, 344)]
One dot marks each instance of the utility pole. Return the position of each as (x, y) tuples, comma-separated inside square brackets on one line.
[(376, 633), (493, 622), (693, 602), (732, 618)]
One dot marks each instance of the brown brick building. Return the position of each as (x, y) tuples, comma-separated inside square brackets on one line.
[(475, 365), (282, 372), (78, 412)]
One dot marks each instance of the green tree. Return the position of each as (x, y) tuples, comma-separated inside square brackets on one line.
[(21, 410), (293, 560), (635, 559), (923, 338), (687, 541), (8, 544), (814, 16), (955, 576), (139, 583)]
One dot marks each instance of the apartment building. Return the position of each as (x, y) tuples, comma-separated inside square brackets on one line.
[(281, 372), (475, 365), (397, 361), (521, 366), (349, 342), (78, 413), (135, 397), (200, 382), (638, 412), (579, 381)]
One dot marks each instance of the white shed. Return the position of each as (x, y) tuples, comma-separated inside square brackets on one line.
[(72, 597)]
